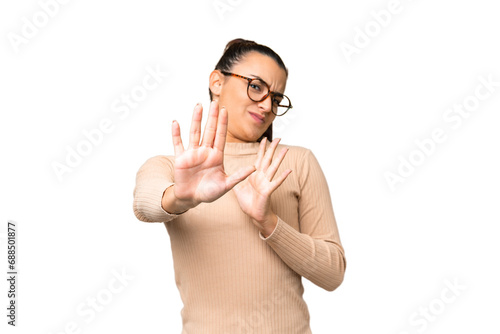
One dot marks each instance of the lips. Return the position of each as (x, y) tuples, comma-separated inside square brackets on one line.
[(257, 117)]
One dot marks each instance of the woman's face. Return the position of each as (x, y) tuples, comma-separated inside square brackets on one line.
[(248, 120)]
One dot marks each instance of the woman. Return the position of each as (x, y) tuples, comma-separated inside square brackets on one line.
[(243, 228)]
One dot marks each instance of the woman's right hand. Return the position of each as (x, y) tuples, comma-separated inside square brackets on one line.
[(199, 170)]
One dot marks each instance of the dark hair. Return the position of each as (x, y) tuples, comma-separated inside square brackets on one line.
[(237, 49)]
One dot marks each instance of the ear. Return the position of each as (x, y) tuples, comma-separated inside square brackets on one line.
[(215, 83)]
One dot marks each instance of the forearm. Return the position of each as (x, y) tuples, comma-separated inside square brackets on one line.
[(172, 204), (268, 225), (320, 261), (153, 178)]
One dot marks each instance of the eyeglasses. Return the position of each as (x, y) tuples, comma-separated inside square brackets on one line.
[(258, 90)]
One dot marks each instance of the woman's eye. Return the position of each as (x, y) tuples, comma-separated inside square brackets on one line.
[(255, 87)]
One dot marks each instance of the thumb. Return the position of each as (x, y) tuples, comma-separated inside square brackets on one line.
[(239, 176)]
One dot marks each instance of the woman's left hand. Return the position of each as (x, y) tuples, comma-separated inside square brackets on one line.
[(254, 193)]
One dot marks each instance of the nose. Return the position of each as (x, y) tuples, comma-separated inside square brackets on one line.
[(266, 104)]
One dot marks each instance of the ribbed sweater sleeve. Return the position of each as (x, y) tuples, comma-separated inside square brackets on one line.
[(152, 179), (314, 252)]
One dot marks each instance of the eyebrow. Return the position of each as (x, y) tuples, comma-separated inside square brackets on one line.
[(257, 77)]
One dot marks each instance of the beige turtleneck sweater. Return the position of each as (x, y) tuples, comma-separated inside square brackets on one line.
[(231, 279)]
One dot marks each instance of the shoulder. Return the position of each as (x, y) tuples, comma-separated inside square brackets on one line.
[(297, 153), (163, 158), (159, 160), (302, 160)]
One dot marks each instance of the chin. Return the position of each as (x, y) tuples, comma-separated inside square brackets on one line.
[(252, 137)]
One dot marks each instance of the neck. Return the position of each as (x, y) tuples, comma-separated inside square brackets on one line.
[(232, 139)]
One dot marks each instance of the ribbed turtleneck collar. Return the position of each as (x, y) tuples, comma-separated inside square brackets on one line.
[(242, 148)]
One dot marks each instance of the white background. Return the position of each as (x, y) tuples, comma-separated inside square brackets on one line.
[(402, 245)]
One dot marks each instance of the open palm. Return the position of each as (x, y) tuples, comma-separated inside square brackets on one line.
[(254, 193), (199, 170)]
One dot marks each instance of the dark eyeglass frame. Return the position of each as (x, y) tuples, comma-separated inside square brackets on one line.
[(269, 92)]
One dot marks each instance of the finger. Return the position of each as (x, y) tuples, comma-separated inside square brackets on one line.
[(276, 183), (260, 154), (176, 138), (211, 126), (271, 171), (220, 136), (266, 161), (238, 176), (195, 131)]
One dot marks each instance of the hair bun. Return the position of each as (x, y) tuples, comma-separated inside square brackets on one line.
[(238, 41)]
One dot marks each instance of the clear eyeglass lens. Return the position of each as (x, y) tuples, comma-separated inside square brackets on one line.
[(281, 107), (257, 89)]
